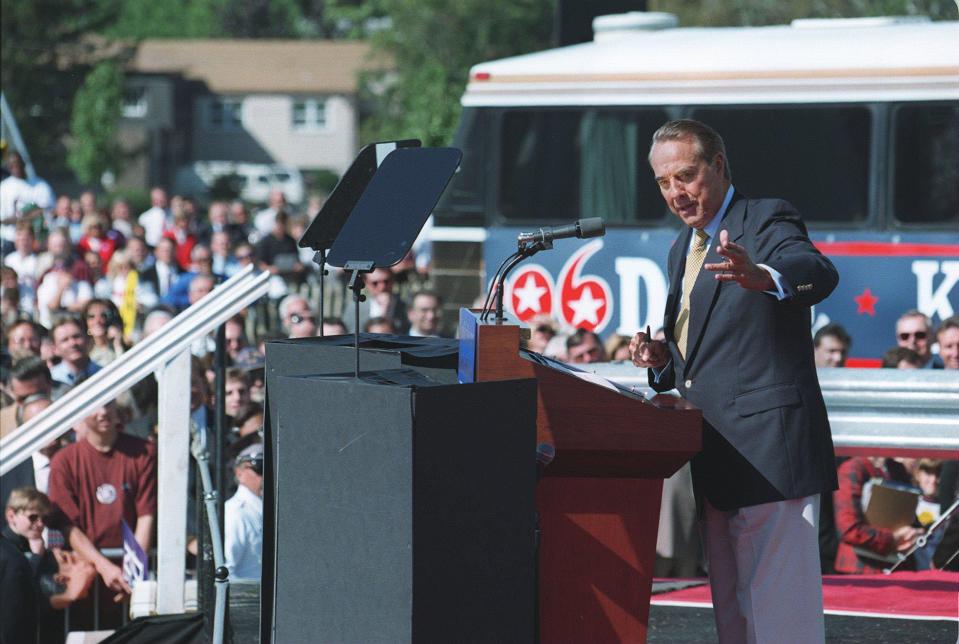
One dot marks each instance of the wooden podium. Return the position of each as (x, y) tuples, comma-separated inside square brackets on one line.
[(598, 501)]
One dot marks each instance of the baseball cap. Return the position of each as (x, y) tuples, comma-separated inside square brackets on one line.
[(252, 455)]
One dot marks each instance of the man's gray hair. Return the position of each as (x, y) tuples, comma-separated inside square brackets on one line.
[(708, 141)]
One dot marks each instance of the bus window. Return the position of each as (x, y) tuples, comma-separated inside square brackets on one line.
[(817, 158), (561, 164), (464, 201), (926, 182)]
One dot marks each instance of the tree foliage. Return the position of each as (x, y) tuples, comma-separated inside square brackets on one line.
[(97, 106), (433, 44)]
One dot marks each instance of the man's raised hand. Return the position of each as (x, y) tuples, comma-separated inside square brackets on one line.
[(738, 267)]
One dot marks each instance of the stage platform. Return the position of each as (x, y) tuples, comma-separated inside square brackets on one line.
[(906, 608)]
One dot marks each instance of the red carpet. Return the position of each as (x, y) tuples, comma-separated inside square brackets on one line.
[(928, 594)]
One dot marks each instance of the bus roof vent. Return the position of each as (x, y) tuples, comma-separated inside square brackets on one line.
[(614, 26), (875, 21)]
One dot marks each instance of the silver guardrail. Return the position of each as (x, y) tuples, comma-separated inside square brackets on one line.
[(877, 411), (143, 359)]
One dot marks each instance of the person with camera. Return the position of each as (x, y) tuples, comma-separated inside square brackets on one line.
[(105, 329), (243, 520)]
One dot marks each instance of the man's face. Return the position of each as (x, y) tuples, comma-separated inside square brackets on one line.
[(217, 213), (379, 281), (28, 523), (70, 343), (220, 244), (57, 245), (424, 314), (103, 420), (247, 477), (23, 341), (237, 396), (199, 288), (202, 259), (164, 251), (586, 352), (24, 242), (831, 352), (16, 166), (949, 347), (913, 333), (23, 389), (234, 338), (693, 189), (158, 198), (137, 251)]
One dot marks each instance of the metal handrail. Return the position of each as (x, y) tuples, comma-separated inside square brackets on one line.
[(221, 581), (146, 356), (880, 411)]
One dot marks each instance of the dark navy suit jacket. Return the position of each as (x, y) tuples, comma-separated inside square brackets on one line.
[(750, 366)]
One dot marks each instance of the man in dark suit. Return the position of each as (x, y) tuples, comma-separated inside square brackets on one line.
[(743, 275)]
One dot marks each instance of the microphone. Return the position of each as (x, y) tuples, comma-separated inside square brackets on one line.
[(582, 228)]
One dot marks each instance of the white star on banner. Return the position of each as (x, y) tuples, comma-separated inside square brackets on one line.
[(585, 309), (529, 295)]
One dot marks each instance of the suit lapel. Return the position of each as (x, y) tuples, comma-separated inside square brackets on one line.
[(707, 287)]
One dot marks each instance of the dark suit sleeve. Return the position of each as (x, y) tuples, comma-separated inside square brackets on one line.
[(783, 244), (667, 379)]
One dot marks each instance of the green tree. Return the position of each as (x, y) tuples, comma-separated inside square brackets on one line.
[(96, 115), (433, 44), (717, 13), (41, 47)]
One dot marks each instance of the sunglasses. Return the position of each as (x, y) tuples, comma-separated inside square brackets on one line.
[(34, 517), (296, 318), (919, 335)]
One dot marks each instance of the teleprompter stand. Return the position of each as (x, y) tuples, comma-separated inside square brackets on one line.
[(328, 222), (389, 215)]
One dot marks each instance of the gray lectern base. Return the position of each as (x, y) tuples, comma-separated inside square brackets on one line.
[(403, 513)]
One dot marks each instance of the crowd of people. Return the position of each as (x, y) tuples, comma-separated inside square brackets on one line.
[(82, 281)]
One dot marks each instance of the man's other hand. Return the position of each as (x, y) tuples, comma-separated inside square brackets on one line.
[(738, 267), (648, 353)]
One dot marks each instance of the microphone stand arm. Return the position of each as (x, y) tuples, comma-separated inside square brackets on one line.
[(526, 250)]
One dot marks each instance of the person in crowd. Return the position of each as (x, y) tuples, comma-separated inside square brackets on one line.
[(265, 220), (104, 479), (60, 215), (235, 337), (23, 338), (377, 325), (948, 337), (182, 233), (831, 345), (409, 279), (155, 319), (245, 254), (584, 347), (863, 546), (60, 254), (542, 330), (297, 317), (105, 329), (121, 219), (158, 218), (60, 578), (617, 348), (425, 314), (224, 263), (243, 517), (72, 346), (236, 393), (160, 277), (240, 225), (926, 475), (249, 420), (914, 331), (201, 262), (75, 222), (36, 471), (278, 254), (139, 254), (16, 191), (26, 262), (88, 203), (767, 451), (64, 288), (381, 301), (216, 221), (29, 376), (98, 278), (9, 296), (334, 326), (901, 358), (99, 238)]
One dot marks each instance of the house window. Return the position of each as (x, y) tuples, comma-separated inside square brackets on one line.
[(309, 114), (135, 102), (226, 114)]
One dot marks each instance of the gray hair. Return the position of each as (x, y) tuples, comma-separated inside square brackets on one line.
[(707, 140)]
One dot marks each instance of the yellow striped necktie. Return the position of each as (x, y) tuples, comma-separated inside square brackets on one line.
[(694, 263)]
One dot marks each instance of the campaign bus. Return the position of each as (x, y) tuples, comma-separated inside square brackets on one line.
[(854, 121)]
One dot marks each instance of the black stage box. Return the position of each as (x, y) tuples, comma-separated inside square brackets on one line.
[(403, 510)]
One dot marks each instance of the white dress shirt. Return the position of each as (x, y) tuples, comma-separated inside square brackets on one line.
[(243, 540)]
